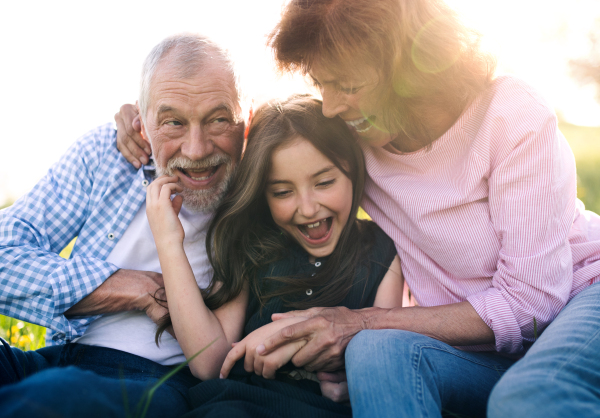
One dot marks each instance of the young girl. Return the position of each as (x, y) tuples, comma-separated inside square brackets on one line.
[(286, 237)]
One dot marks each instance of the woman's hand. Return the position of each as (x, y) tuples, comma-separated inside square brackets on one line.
[(163, 212), (134, 148), (265, 366), (326, 334)]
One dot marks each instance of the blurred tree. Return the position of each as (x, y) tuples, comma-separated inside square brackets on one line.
[(587, 69)]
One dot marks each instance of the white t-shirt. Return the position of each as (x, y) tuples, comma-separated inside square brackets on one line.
[(133, 331)]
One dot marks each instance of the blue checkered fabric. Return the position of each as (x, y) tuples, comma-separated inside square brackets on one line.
[(92, 193)]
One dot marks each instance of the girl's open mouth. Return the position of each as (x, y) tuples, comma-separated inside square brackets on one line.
[(316, 232)]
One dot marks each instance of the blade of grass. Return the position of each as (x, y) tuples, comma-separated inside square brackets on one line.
[(148, 396)]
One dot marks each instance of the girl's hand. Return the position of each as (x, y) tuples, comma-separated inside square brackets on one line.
[(163, 212), (265, 366)]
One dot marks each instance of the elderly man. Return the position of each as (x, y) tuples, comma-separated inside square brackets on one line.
[(99, 305)]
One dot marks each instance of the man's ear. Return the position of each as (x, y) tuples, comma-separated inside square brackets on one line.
[(142, 127)]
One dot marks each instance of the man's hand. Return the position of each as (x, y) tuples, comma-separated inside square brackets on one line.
[(129, 140), (334, 385), (125, 290), (327, 333)]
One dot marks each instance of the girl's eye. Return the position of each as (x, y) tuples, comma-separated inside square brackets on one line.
[(326, 183), (281, 193)]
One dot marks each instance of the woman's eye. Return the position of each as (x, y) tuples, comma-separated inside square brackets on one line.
[(351, 90)]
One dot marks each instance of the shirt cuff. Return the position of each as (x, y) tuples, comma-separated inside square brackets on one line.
[(495, 311)]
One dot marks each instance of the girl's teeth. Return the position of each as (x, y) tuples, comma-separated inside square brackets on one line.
[(314, 225)]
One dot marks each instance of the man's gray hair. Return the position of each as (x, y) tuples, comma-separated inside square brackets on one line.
[(192, 52)]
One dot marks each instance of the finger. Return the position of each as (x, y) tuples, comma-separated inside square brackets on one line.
[(314, 360), (233, 356), (258, 365), (293, 332), (249, 361), (233, 344), (337, 392), (279, 358), (177, 203), (122, 147), (169, 189), (335, 377), (132, 143), (307, 313)]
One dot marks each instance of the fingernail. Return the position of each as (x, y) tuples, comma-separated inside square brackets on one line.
[(144, 160), (221, 376), (260, 349), (136, 164)]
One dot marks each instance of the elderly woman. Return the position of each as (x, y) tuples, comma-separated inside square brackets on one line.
[(469, 175), (471, 178)]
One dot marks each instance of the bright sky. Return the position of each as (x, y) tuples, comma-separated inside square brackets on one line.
[(67, 66)]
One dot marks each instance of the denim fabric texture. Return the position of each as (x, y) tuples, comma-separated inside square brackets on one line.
[(76, 380), (560, 375), (394, 373)]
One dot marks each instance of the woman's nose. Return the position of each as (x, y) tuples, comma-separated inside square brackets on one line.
[(333, 102)]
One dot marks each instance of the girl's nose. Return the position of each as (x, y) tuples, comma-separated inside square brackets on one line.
[(308, 207)]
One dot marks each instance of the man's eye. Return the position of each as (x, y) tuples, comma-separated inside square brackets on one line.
[(174, 123), (220, 120)]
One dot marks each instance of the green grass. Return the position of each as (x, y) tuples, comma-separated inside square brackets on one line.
[(584, 141)]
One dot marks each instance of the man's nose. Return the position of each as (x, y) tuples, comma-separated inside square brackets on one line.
[(197, 145), (334, 102)]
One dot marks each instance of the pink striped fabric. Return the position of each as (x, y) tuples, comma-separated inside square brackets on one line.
[(489, 214)]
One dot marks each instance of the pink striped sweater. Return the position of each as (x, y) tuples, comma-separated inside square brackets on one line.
[(489, 214)]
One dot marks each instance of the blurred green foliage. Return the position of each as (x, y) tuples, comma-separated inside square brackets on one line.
[(585, 143)]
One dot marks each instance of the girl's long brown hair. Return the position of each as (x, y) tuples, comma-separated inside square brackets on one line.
[(243, 238)]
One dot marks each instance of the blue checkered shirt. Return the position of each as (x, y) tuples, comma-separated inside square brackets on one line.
[(92, 193)]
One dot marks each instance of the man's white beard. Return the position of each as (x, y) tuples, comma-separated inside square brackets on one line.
[(206, 199)]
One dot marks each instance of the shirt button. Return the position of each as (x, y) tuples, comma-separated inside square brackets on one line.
[(313, 275), (308, 292), (318, 264), (145, 183), (111, 236)]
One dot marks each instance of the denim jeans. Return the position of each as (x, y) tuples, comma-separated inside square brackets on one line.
[(77, 380), (394, 373), (560, 375)]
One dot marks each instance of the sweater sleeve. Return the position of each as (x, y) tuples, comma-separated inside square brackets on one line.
[(532, 195)]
